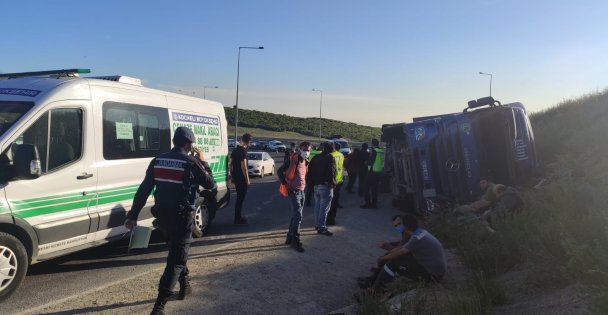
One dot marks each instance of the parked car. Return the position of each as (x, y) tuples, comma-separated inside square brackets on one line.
[(231, 143), (276, 145), (344, 147), (260, 164), (262, 145)]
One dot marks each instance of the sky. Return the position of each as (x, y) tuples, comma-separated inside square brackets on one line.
[(377, 62)]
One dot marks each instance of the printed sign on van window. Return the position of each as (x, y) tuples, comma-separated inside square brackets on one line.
[(124, 131), (206, 128)]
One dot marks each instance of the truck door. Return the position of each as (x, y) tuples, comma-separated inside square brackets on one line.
[(57, 203)]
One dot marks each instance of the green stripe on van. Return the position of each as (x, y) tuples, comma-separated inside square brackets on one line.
[(52, 204)]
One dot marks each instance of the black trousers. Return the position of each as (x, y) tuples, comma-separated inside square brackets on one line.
[(362, 182), (333, 209), (309, 191), (178, 232), (371, 191), (241, 192), (352, 178), (406, 266)]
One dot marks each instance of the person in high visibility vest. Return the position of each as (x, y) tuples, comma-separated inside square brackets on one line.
[(309, 188), (335, 202), (376, 166)]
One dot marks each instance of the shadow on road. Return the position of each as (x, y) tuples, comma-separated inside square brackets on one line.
[(94, 309)]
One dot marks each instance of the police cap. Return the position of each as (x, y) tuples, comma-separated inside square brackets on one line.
[(184, 133)]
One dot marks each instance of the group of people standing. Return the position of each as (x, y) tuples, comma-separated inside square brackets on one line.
[(319, 174)]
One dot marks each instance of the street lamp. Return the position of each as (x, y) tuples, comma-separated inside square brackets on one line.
[(236, 107), (208, 87), (320, 107), (490, 80)]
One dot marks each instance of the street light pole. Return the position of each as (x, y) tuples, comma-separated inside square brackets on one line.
[(320, 108), (208, 87), (236, 107), (490, 80)]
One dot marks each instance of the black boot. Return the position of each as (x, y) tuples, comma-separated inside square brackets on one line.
[(184, 287), (159, 306)]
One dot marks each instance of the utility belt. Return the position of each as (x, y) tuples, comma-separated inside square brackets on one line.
[(183, 210)]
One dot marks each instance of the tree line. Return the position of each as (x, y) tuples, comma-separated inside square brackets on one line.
[(305, 126)]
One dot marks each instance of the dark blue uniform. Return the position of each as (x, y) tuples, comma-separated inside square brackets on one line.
[(172, 174)]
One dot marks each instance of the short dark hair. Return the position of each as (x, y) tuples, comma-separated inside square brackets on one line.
[(364, 146), (410, 221), (303, 144), (180, 142), (293, 144), (397, 216), (328, 147), (246, 138), (375, 142)]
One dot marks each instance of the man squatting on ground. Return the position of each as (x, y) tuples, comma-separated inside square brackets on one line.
[(292, 174), (240, 177), (421, 258), (322, 175), (173, 173)]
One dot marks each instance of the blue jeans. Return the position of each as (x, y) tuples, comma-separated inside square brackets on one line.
[(296, 197), (323, 196)]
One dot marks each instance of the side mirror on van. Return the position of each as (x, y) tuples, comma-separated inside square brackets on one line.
[(27, 162)]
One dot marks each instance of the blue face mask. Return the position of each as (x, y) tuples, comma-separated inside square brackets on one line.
[(400, 228)]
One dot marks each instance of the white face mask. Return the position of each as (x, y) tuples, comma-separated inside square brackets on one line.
[(304, 154)]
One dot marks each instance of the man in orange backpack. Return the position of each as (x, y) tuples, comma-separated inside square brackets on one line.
[(293, 175)]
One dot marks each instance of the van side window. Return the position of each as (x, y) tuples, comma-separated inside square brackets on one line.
[(134, 131), (58, 136)]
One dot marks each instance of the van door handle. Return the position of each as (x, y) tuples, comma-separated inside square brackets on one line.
[(84, 176)]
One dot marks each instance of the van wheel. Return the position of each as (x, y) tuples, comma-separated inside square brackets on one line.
[(13, 264), (202, 221), (262, 173)]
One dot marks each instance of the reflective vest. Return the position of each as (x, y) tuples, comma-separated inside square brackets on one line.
[(312, 154), (339, 158), (378, 165)]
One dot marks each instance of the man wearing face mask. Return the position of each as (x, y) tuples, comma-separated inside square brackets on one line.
[(397, 222), (292, 174), (421, 258), (172, 174)]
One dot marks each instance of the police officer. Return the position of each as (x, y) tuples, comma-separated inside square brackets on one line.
[(376, 166), (173, 173)]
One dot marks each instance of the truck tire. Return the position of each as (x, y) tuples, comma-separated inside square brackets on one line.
[(13, 264)]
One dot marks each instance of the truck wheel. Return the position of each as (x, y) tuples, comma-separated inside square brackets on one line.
[(13, 264), (202, 221)]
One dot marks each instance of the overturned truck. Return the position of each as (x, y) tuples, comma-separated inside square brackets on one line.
[(439, 160)]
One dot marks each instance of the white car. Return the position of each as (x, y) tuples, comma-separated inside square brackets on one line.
[(344, 147), (260, 164), (276, 145)]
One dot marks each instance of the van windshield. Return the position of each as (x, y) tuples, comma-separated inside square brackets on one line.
[(10, 112)]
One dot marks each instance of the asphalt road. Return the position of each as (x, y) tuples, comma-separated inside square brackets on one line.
[(94, 268)]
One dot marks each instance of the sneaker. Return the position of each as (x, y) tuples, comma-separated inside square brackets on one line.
[(365, 206), (316, 227), (241, 221), (297, 245), (325, 232)]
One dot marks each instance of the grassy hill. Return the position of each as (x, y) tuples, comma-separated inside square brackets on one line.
[(304, 126)]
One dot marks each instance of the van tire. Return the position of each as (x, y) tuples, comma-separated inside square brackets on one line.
[(13, 264), (202, 220)]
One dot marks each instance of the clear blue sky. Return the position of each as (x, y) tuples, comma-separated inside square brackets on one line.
[(377, 61)]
